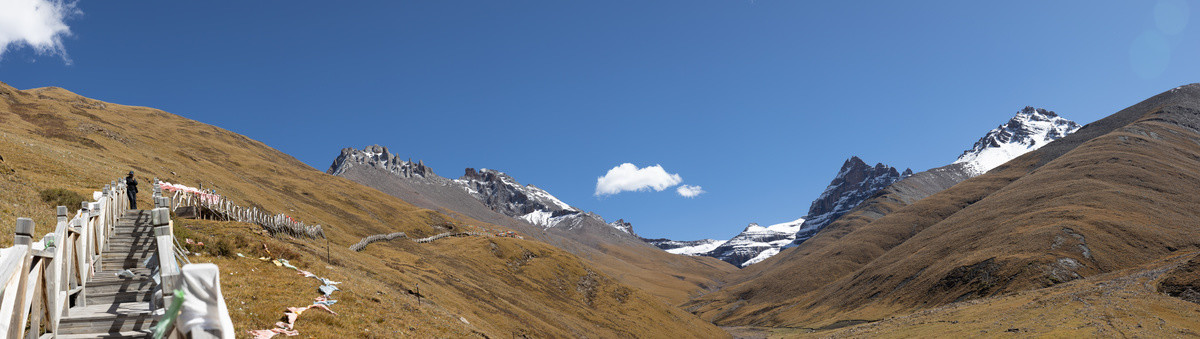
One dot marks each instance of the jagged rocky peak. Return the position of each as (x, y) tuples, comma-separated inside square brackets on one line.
[(855, 178), (854, 183), (504, 194), (1030, 129), (379, 157), (622, 225)]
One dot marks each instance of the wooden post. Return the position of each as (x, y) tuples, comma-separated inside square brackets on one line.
[(56, 291), (168, 269), (80, 257)]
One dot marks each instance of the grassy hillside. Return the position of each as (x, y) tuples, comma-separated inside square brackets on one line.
[(1116, 195), (500, 287), (675, 278), (1124, 303)]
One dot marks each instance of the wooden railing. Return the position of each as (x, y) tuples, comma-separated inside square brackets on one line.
[(39, 280), (202, 204), (39, 277)]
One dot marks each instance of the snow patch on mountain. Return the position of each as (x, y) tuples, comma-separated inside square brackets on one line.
[(856, 182), (694, 247), (1029, 130), (497, 190), (748, 246)]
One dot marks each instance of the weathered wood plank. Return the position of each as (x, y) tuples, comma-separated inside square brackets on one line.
[(23, 237), (35, 301), (10, 264)]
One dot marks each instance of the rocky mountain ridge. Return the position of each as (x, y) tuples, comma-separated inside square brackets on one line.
[(756, 243), (1107, 198), (855, 181), (853, 184), (490, 196), (497, 190), (692, 247), (1028, 130), (379, 157)]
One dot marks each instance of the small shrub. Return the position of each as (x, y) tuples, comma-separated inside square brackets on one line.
[(286, 253), (239, 241), (62, 197), (221, 249)]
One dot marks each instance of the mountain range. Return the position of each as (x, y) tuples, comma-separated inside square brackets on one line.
[(478, 286), (1042, 228), (1096, 210), (856, 182), (495, 197)]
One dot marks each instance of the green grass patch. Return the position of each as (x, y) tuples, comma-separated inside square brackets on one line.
[(61, 197)]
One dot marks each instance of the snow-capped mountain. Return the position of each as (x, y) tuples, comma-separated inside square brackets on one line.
[(694, 247), (498, 191), (856, 182), (853, 184), (1030, 129), (534, 205), (756, 243)]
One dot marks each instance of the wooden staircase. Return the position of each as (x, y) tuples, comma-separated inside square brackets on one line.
[(117, 307)]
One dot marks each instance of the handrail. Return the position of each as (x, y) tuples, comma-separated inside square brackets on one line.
[(220, 208), (37, 279)]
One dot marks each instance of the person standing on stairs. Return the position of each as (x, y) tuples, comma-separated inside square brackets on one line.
[(131, 190)]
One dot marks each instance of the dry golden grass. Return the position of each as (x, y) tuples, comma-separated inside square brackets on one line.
[(1116, 195), (675, 278), (503, 287), (1124, 303)]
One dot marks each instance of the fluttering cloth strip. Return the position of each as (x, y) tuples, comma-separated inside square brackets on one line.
[(203, 308)]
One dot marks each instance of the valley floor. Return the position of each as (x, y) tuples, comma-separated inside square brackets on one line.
[(1119, 304)]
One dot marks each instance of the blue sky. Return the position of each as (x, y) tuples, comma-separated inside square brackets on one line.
[(757, 102)]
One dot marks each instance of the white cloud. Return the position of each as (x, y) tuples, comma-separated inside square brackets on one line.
[(35, 23), (689, 191), (628, 177)]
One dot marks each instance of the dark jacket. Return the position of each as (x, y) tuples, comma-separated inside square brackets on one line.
[(131, 184)]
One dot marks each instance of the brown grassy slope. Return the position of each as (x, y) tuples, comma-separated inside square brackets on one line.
[(1116, 199), (841, 249), (1124, 303), (892, 198), (673, 277), (53, 138)]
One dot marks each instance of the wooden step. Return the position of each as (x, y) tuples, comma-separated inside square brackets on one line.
[(138, 234), (126, 258), (129, 253), (131, 242), (133, 229), (102, 285), (120, 249), (114, 318), (118, 297), (121, 264), (113, 273)]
